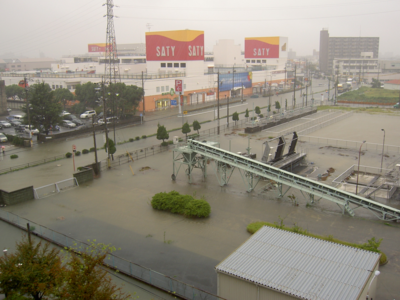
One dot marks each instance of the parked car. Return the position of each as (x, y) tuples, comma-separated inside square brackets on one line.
[(33, 129), (64, 113), (15, 122), (397, 105), (3, 138), (73, 119), (5, 124), (88, 114), (108, 120), (20, 128), (68, 124)]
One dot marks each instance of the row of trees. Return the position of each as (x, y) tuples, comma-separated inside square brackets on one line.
[(38, 271)]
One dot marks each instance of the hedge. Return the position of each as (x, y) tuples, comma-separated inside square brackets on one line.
[(181, 204)]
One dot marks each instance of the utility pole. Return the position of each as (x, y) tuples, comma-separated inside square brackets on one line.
[(329, 87), (336, 84), (105, 124), (294, 88), (95, 146), (269, 89), (28, 108), (144, 107), (218, 104)]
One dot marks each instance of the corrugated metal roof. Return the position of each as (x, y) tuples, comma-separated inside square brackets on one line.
[(302, 266)]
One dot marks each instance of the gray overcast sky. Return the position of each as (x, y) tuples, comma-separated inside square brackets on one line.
[(59, 27)]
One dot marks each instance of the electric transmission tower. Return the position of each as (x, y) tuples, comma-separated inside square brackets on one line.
[(111, 55)]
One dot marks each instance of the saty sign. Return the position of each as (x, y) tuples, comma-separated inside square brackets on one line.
[(179, 86)]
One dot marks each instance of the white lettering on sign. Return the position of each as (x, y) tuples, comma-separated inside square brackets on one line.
[(196, 50), (260, 51), (165, 51)]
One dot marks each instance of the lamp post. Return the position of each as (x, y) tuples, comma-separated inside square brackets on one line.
[(358, 172), (383, 147), (375, 274)]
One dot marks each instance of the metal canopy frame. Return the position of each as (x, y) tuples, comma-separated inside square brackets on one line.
[(281, 177)]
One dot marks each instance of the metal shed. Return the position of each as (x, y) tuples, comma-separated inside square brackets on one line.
[(277, 264)]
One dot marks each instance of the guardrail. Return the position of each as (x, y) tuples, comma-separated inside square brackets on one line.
[(31, 164), (124, 266)]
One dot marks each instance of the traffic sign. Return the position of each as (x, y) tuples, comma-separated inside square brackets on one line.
[(185, 112), (73, 148), (179, 86)]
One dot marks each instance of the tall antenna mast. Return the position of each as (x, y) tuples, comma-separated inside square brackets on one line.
[(148, 25), (111, 56)]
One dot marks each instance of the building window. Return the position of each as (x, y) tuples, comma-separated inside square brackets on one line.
[(248, 61), (169, 65), (264, 61), (57, 86), (258, 61), (184, 86), (253, 61), (158, 89), (53, 87), (162, 89), (162, 65), (13, 66), (176, 65), (69, 87), (183, 65), (19, 66), (167, 88), (61, 87)]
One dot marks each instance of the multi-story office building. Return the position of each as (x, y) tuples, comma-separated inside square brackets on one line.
[(333, 48)]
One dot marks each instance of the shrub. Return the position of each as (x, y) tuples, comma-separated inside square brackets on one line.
[(164, 143), (77, 153), (131, 139), (261, 116), (14, 156), (85, 151), (144, 136), (92, 149), (181, 204), (68, 154), (170, 142), (137, 138)]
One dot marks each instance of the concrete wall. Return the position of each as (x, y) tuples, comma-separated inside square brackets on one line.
[(14, 197), (84, 176)]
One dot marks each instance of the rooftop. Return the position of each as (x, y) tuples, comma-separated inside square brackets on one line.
[(302, 266)]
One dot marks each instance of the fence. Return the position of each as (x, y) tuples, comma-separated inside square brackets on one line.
[(32, 164), (377, 148), (124, 266), (51, 189), (326, 123)]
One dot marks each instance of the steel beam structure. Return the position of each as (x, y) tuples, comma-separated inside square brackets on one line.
[(281, 177)]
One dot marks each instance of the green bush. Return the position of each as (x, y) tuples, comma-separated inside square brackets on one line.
[(261, 116), (92, 149), (131, 139), (77, 153), (14, 156), (170, 142), (144, 136), (85, 151), (164, 143), (68, 154), (137, 138), (181, 204)]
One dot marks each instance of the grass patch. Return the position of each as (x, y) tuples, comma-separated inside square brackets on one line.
[(368, 94), (372, 244), (358, 109), (181, 204)]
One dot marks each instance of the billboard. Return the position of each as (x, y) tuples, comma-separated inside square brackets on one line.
[(98, 47), (262, 47), (175, 45), (241, 80)]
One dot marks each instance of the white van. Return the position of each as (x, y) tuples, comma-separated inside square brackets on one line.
[(17, 117)]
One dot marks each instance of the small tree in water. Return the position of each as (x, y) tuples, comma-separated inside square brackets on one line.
[(186, 129), (162, 133), (235, 117), (196, 126)]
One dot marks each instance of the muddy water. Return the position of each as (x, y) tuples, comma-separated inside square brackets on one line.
[(116, 209)]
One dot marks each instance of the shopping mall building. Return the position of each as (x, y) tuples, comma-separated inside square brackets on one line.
[(178, 55)]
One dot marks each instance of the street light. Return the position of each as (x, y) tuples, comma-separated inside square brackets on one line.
[(358, 172), (383, 147), (375, 274)]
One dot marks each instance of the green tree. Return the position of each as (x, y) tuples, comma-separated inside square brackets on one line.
[(123, 99), (376, 84), (186, 129), (111, 145), (196, 126), (14, 90), (44, 109), (277, 105), (62, 96), (86, 94), (246, 115), (269, 108), (162, 133), (257, 110), (285, 104), (235, 117), (86, 279), (34, 269)]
